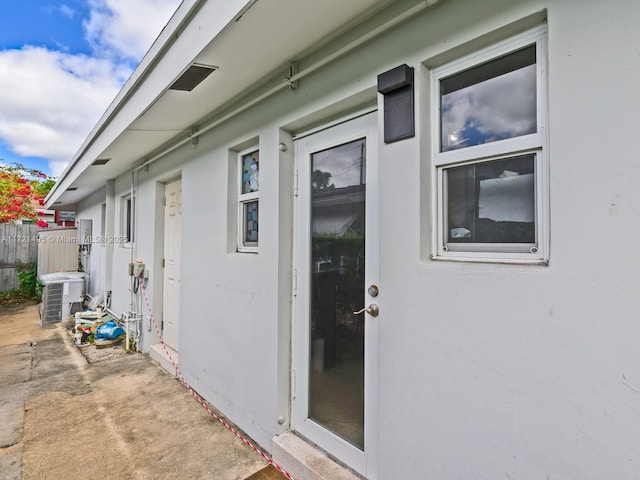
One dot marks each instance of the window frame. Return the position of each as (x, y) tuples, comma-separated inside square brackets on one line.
[(103, 224), (244, 199), (534, 143), (127, 219)]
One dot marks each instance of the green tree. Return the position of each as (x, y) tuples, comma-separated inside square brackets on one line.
[(20, 188), (321, 181)]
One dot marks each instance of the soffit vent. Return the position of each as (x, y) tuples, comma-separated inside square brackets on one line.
[(101, 161), (195, 74)]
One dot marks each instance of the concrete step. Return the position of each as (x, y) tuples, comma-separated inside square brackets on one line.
[(158, 353), (305, 462)]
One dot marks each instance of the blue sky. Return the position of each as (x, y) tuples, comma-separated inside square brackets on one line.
[(61, 65), (55, 26)]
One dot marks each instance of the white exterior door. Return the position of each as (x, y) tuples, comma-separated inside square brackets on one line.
[(172, 241), (335, 350)]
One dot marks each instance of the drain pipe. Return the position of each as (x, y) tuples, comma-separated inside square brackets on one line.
[(290, 81), (404, 16), (131, 229)]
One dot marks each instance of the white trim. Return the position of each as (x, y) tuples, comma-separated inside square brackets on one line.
[(103, 224), (508, 147), (243, 199), (536, 143), (125, 200), (364, 462), (326, 126), (492, 52)]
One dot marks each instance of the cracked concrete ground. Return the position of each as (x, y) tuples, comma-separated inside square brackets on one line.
[(119, 418)]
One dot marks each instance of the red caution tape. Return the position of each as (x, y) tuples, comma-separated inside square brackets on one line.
[(200, 399)]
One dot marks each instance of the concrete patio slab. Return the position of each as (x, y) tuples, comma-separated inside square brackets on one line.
[(123, 417)]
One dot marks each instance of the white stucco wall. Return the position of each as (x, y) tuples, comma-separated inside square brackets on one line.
[(498, 371), (485, 370)]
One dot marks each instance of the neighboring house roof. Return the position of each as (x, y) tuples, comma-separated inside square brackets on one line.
[(337, 209), (250, 44)]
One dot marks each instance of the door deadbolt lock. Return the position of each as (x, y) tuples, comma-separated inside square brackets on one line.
[(372, 310)]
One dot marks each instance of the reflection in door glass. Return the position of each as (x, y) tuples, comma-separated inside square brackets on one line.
[(336, 396)]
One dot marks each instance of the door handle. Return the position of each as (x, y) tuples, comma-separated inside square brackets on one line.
[(372, 310)]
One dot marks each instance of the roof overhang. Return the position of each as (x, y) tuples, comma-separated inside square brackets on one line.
[(238, 43)]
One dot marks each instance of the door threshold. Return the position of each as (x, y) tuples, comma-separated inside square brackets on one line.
[(306, 462), (158, 353)]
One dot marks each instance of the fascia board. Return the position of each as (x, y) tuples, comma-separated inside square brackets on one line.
[(225, 12)]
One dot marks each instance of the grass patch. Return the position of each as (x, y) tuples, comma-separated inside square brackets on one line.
[(14, 298), (27, 292)]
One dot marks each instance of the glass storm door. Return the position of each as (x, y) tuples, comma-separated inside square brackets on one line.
[(335, 352)]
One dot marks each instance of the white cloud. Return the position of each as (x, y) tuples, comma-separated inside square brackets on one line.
[(504, 106), (61, 98), (67, 11), (125, 28), (51, 100)]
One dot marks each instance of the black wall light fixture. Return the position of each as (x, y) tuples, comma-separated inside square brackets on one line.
[(397, 87)]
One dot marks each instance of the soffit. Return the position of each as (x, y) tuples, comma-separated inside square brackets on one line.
[(268, 36)]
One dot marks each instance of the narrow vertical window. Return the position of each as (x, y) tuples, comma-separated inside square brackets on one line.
[(103, 224), (127, 219), (248, 199)]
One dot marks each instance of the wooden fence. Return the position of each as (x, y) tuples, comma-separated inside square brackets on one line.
[(18, 243)]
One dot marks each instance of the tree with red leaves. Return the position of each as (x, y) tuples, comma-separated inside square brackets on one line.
[(20, 188)]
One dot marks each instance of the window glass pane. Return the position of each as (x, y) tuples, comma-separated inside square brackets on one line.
[(250, 172), (490, 102), (250, 222), (129, 218), (492, 202), (336, 377)]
